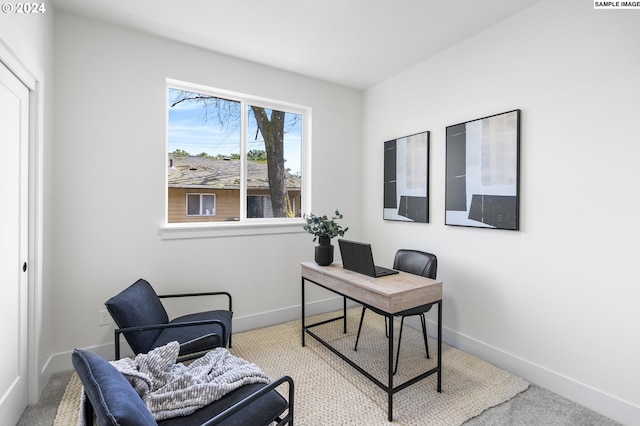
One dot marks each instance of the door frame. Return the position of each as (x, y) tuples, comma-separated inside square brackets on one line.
[(33, 78)]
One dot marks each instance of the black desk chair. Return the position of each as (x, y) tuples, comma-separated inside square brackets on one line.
[(141, 317), (418, 263)]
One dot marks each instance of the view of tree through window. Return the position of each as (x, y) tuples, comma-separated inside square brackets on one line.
[(247, 155)]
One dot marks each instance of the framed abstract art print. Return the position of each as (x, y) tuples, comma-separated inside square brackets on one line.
[(406, 178), (483, 172)]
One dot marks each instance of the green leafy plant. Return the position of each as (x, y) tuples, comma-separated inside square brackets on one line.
[(323, 226)]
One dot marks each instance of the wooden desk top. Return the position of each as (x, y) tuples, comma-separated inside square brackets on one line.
[(391, 294)]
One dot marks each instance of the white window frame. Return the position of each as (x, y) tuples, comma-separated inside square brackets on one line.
[(244, 226)]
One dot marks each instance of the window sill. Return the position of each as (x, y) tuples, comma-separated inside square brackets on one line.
[(180, 231)]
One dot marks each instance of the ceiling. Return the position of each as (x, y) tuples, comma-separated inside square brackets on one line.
[(356, 43)]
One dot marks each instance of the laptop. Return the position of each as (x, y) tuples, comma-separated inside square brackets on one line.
[(358, 257)]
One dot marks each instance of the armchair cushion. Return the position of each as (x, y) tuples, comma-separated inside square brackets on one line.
[(113, 399), (200, 337), (140, 305)]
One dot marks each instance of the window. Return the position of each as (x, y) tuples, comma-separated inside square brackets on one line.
[(201, 204), (234, 157)]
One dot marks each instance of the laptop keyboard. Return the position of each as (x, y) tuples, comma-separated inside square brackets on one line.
[(380, 271)]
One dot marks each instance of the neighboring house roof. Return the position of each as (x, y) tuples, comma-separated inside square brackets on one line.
[(207, 172)]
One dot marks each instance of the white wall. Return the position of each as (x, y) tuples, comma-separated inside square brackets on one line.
[(109, 180), (556, 301)]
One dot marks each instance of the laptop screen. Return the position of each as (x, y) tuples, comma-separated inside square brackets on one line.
[(357, 257)]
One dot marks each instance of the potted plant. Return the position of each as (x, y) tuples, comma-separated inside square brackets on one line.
[(323, 229)]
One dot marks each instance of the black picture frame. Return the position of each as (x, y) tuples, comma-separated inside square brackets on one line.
[(406, 178), (482, 186)]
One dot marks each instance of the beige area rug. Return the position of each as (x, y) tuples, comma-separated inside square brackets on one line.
[(329, 391), (69, 407)]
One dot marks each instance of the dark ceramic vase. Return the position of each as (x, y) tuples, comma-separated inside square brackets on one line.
[(324, 251)]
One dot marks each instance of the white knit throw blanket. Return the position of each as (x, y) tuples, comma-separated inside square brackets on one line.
[(171, 389)]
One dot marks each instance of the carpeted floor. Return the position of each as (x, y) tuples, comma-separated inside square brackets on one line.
[(328, 391)]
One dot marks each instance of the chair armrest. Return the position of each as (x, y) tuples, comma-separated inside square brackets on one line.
[(207, 293), (119, 331), (288, 419)]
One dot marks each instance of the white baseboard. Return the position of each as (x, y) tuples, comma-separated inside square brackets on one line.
[(608, 405)]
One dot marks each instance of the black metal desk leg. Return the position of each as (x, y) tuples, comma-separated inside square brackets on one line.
[(390, 388), (440, 346), (344, 313), (302, 284)]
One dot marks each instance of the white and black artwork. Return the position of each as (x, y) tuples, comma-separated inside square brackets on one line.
[(482, 172), (406, 178)]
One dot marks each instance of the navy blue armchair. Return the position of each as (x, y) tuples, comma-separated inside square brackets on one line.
[(115, 402), (140, 316)]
